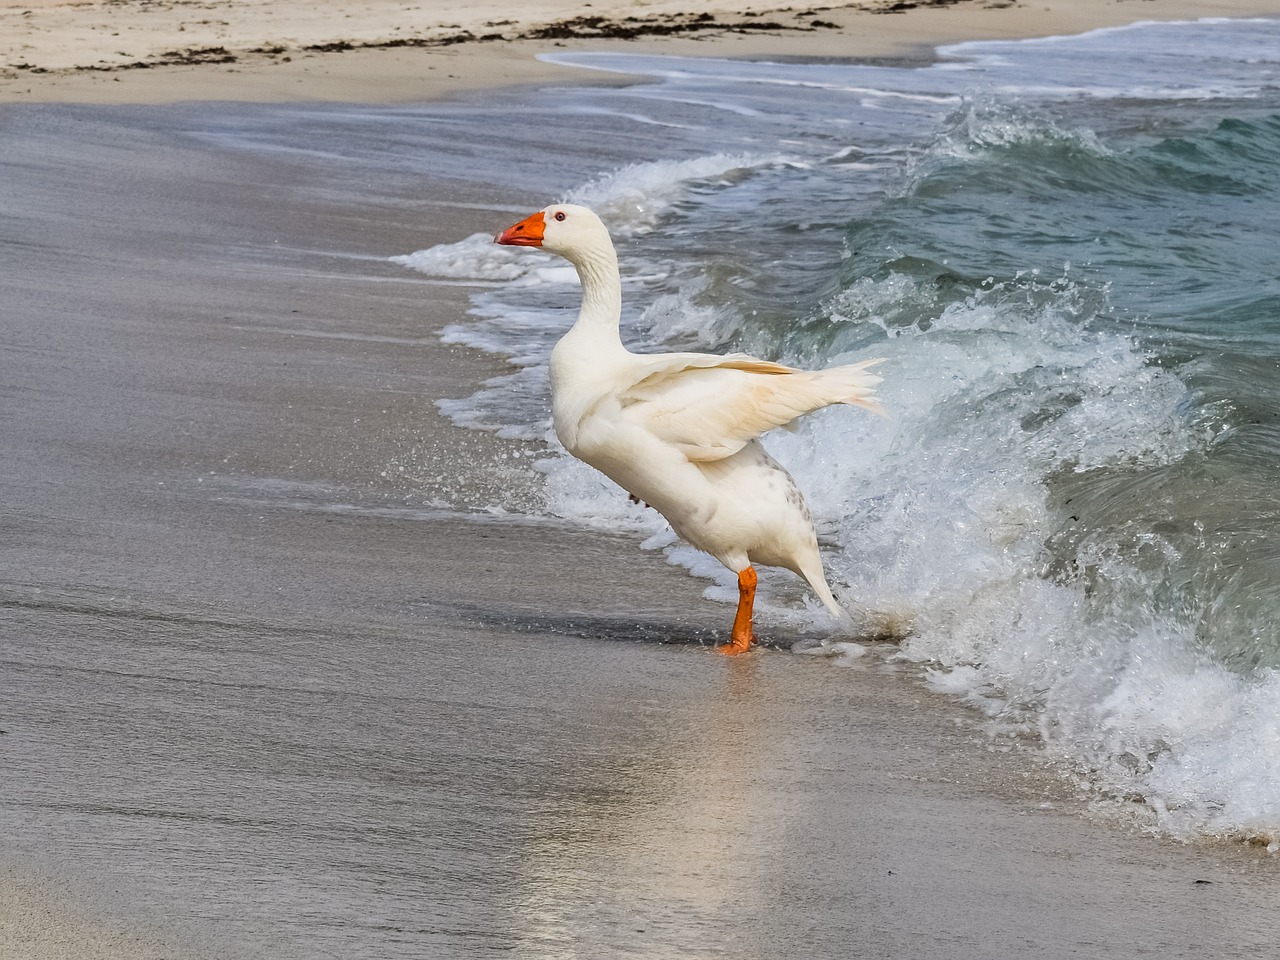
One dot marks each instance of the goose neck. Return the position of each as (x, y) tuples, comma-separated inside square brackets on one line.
[(601, 289)]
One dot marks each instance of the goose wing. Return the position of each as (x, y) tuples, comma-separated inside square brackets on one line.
[(710, 407)]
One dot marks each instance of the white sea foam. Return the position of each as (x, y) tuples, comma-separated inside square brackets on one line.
[(633, 198), (475, 258), (944, 536), (1181, 60), (988, 125)]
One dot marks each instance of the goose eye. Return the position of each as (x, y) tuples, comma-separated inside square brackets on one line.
[(559, 214)]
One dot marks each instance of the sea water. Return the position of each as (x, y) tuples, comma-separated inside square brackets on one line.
[(1065, 251)]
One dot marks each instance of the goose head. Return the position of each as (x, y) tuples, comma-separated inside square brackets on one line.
[(563, 228)]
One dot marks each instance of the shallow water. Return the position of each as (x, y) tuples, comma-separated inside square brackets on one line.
[(1072, 513)]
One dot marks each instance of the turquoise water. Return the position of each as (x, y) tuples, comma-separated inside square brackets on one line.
[(1066, 250)]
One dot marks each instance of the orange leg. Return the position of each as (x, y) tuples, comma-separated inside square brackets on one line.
[(740, 641)]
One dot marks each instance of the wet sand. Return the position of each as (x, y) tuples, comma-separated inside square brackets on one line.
[(265, 696)]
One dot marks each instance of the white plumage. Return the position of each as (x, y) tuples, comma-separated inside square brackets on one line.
[(680, 431)]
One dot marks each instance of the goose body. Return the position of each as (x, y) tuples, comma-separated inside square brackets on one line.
[(680, 431)]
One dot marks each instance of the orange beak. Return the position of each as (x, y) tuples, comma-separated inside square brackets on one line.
[(526, 233)]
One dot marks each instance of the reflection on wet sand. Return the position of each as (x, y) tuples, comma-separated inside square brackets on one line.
[(683, 848)]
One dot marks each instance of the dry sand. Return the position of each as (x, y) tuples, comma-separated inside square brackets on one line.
[(147, 51), (1069, 886)]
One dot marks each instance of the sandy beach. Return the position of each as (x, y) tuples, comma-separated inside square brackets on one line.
[(224, 619), (138, 51)]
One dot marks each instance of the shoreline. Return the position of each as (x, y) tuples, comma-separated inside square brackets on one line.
[(277, 51)]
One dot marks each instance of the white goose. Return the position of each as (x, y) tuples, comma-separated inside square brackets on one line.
[(679, 431)]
